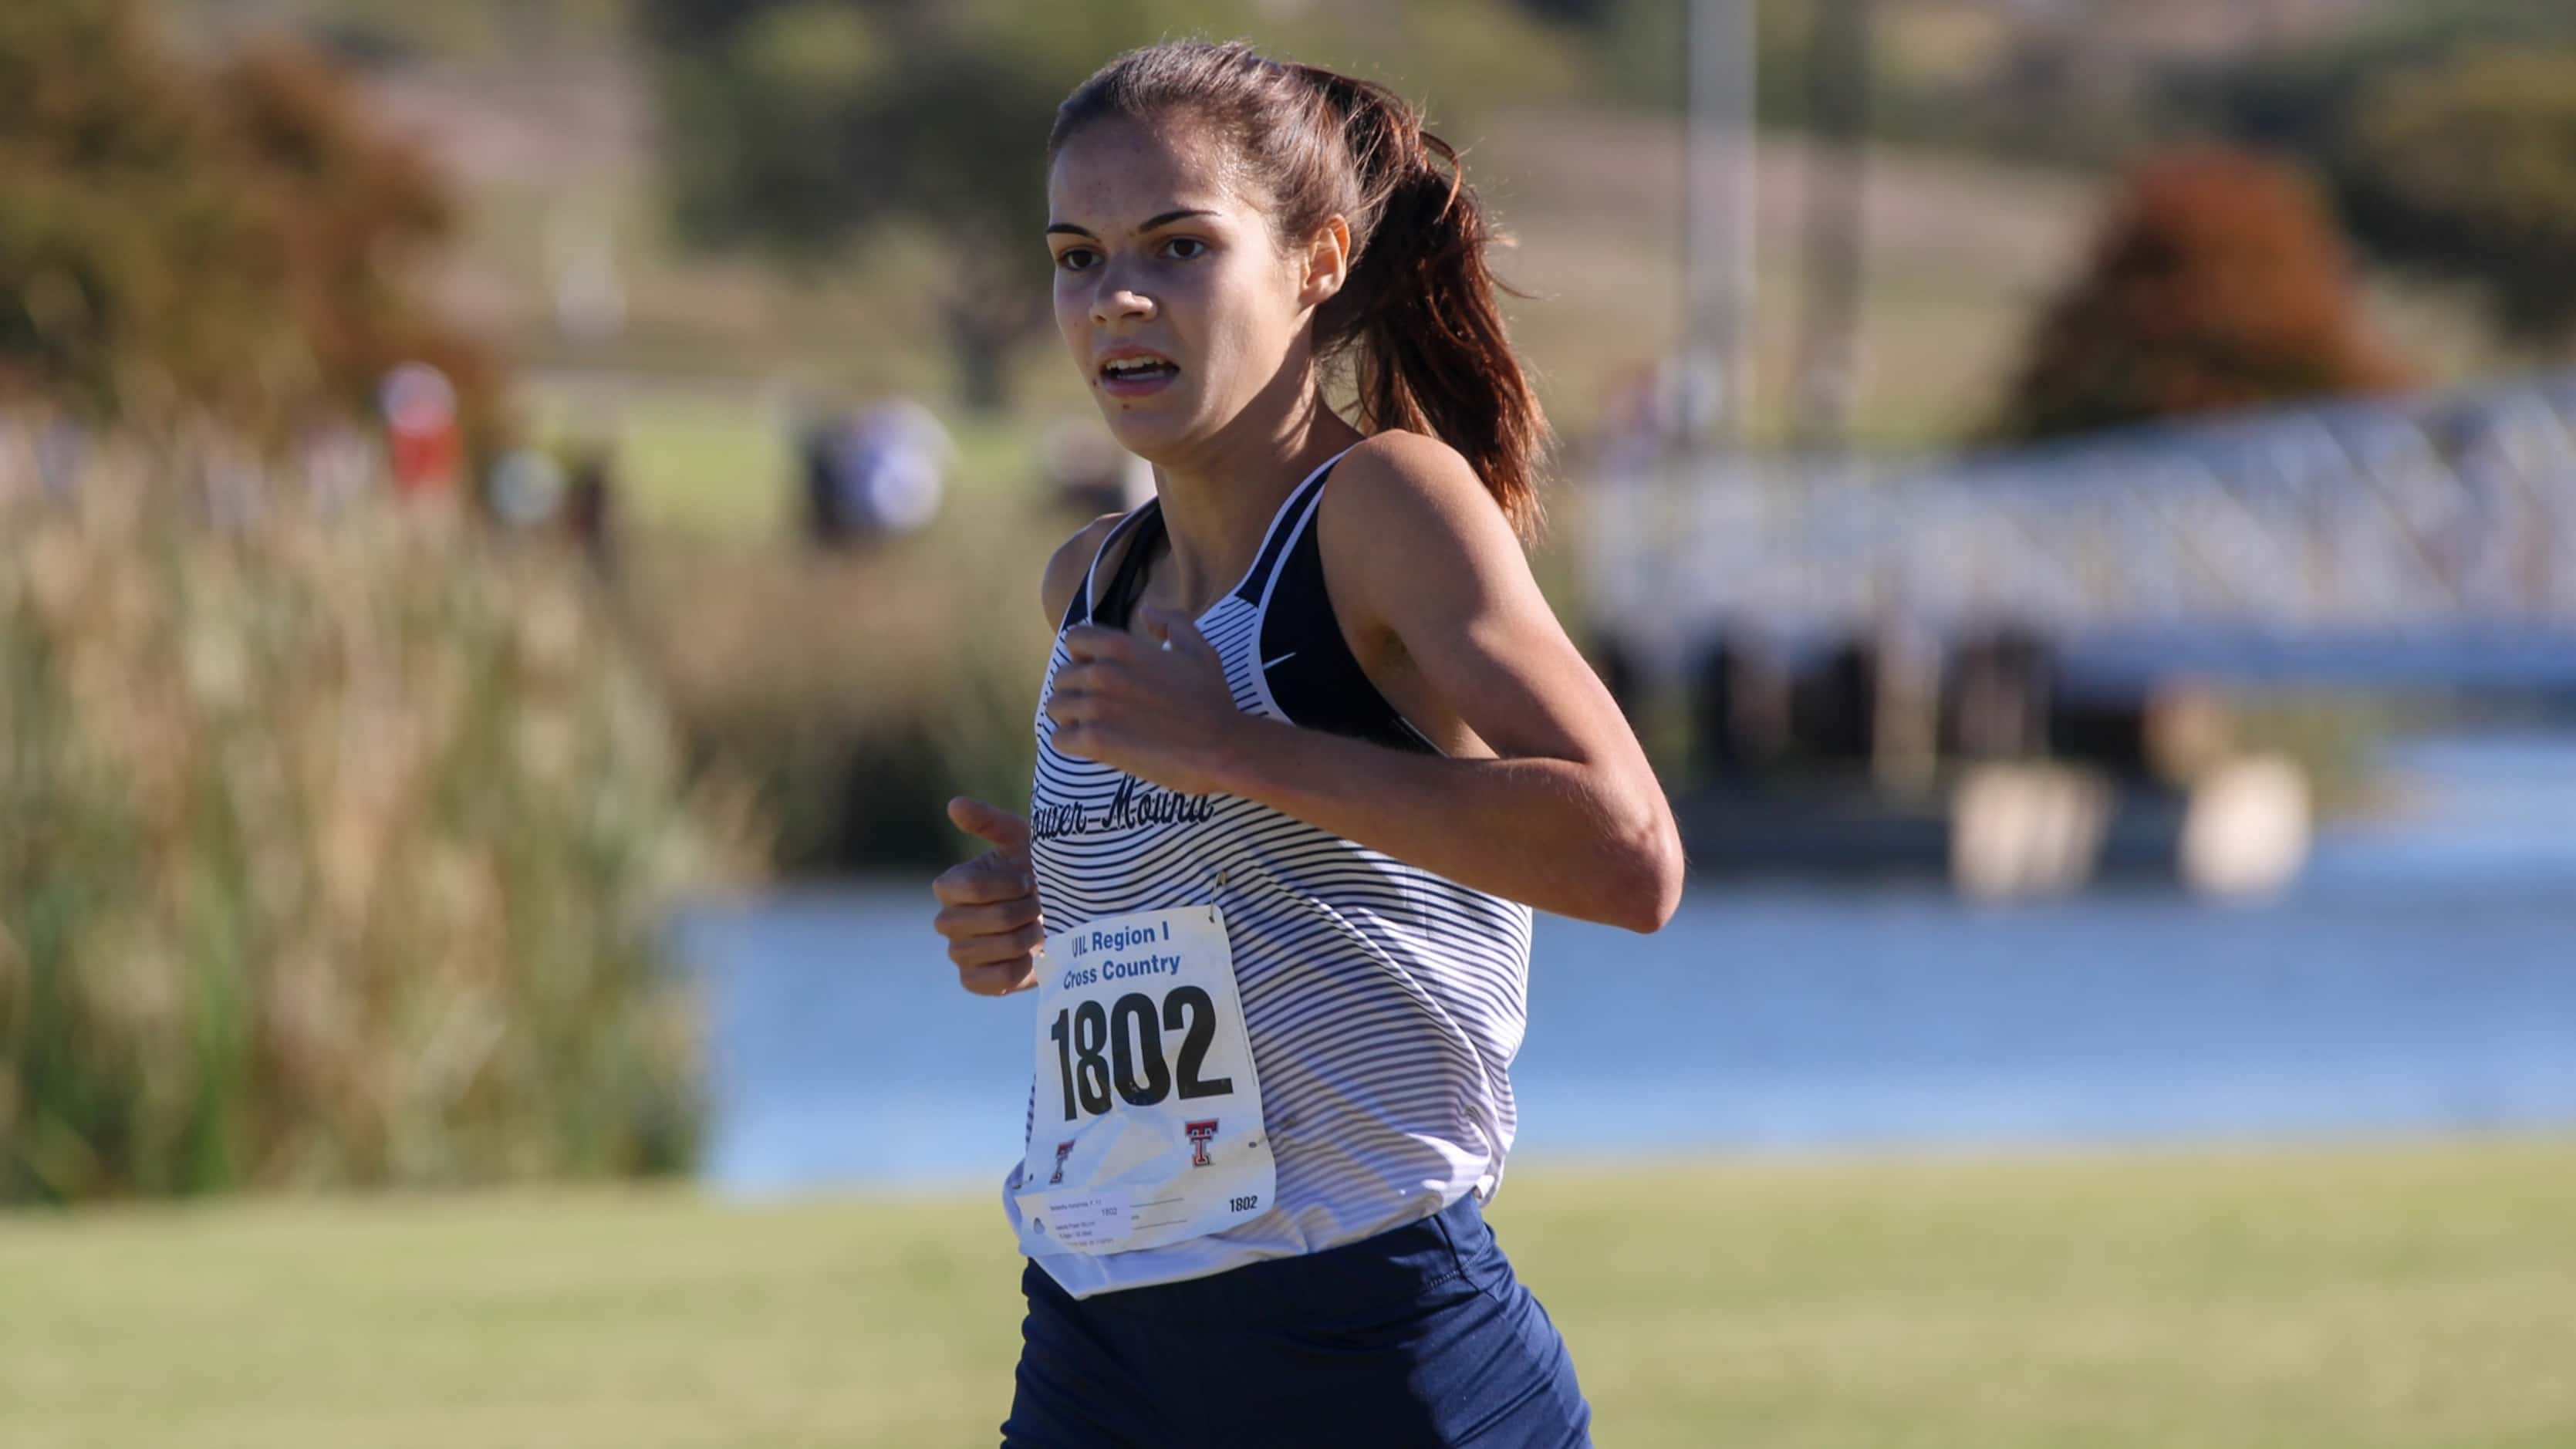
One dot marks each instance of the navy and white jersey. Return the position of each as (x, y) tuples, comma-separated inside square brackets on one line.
[(1384, 1003)]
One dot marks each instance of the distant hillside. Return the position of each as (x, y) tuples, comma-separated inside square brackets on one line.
[(1962, 253), (2169, 29)]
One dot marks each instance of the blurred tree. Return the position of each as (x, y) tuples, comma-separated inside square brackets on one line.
[(364, 31), (2299, 98), (2469, 167), (801, 126), (809, 128), (2002, 81), (355, 216), (1639, 49), (2442, 129), (242, 243), (132, 272), (2221, 282)]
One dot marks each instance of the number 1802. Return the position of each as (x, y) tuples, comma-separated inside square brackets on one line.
[(1122, 1047)]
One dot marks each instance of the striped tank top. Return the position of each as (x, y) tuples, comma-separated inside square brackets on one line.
[(1384, 1003)]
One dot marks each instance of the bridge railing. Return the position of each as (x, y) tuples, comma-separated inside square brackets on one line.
[(2393, 516)]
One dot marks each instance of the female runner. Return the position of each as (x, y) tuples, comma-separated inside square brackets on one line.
[(1311, 745)]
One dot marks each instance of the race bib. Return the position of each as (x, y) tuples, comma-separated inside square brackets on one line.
[(1147, 1123)]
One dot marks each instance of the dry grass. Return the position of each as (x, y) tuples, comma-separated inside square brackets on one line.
[(333, 847)]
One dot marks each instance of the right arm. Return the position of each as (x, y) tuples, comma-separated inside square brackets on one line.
[(988, 907)]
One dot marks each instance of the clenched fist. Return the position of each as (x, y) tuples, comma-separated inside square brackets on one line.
[(988, 907)]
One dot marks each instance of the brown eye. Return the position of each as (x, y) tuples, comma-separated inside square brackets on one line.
[(1197, 248), (1074, 259)]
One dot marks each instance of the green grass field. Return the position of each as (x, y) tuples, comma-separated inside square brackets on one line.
[(2346, 1297)]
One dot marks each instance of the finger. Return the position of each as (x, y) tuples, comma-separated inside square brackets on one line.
[(1005, 831), (1079, 678), (1090, 641), (1103, 677), (1177, 630), (1078, 740), (999, 980), (992, 950), (987, 918), (987, 878), (1073, 707)]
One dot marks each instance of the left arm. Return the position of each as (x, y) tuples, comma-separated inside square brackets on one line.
[(1565, 816)]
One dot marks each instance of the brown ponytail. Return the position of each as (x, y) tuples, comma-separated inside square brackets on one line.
[(1416, 320)]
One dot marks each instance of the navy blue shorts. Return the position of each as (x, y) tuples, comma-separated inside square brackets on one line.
[(1420, 1336)]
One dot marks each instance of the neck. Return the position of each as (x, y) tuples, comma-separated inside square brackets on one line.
[(1219, 500)]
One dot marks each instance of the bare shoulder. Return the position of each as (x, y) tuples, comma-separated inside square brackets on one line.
[(1398, 477), (1406, 514), (1064, 571)]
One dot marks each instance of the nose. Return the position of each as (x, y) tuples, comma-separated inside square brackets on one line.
[(1114, 299)]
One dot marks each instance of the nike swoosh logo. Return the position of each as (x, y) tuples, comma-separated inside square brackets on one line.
[(1282, 659)]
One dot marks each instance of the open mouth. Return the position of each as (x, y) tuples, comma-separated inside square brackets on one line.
[(1137, 372)]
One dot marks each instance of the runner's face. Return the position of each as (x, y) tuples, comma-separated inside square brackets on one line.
[(1176, 303)]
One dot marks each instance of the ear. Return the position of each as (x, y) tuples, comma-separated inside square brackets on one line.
[(1327, 262)]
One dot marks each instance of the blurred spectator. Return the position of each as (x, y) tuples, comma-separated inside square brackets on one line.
[(231, 486), (62, 446), (1638, 419), (526, 487), (590, 506), (338, 463), (1089, 474), (878, 474), (421, 434), (818, 455)]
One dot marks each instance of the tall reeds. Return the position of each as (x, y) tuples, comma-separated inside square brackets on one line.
[(855, 693), (335, 844)]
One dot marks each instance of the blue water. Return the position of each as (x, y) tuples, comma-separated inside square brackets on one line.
[(2422, 976)]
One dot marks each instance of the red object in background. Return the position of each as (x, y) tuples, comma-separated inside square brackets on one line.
[(422, 440)]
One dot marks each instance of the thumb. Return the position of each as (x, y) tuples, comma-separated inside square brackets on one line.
[(1006, 832)]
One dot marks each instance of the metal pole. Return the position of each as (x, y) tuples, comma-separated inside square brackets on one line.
[(1718, 241), (1837, 187)]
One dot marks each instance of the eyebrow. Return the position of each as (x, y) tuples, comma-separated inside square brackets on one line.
[(1166, 219)]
